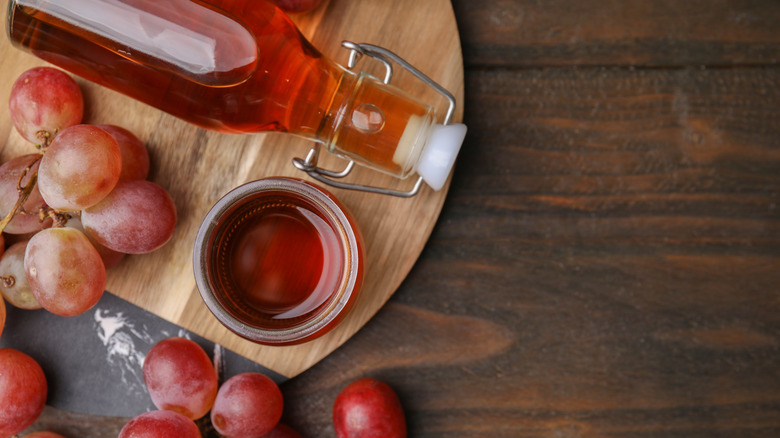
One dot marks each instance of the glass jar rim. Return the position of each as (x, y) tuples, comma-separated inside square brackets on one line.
[(336, 216)]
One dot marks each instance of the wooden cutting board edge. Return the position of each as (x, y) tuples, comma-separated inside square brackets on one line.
[(390, 258)]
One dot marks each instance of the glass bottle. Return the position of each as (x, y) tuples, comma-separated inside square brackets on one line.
[(237, 66)]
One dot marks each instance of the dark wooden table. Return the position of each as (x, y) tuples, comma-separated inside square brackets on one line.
[(607, 263)]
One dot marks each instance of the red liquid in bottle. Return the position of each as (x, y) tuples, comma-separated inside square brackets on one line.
[(227, 65), (286, 69)]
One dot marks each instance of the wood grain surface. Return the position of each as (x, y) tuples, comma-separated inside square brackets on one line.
[(198, 167), (607, 261)]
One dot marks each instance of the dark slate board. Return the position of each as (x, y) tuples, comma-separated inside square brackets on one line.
[(93, 361)]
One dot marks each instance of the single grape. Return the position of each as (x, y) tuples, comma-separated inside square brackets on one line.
[(2, 316), (368, 408), (248, 405), (23, 390), (10, 172), (79, 168), (137, 217), (160, 424), (180, 377), (135, 156), (14, 285), (297, 6), (44, 434), (64, 270), (43, 102), (110, 257), (282, 431)]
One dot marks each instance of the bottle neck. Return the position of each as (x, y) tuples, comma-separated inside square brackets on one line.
[(376, 125)]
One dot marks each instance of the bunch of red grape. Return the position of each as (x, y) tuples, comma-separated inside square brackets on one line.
[(75, 206), (183, 385)]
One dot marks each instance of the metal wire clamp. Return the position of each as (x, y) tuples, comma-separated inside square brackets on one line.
[(386, 57)]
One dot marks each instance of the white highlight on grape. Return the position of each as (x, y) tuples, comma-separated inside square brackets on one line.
[(217, 361)]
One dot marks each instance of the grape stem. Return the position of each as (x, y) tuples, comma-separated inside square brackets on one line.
[(8, 281), (24, 193), (45, 137), (58, 218)]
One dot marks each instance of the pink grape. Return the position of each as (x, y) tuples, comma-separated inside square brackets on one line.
[(43, 102), (19, 293), (248, 405), (110, 257), (23, 391), (160, 424), (137, 217), (368, 408), (44, 434), (2, 316), (10, 172), (282, 431), (180, 377), (79, 168), (135, 156), (64, 270), (297, 6)]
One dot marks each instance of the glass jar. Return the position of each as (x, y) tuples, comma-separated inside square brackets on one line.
[(278, 261)]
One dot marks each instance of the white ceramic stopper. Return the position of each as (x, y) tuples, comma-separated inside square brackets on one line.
[(439, 154)]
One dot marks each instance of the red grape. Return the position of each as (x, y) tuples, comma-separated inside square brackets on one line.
[(23, 390), (64, 270), (248, 405), (297, 6), (137, 217), (180, 377), (44, 434), (19, 293), (110, 257), (10, 172), (368, 408), (135, 157), (2, 315), (160, 424), (43, 102), (79, 168), (282, 431)]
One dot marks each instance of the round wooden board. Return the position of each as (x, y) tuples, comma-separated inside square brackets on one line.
[(198, 166)]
